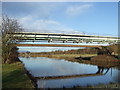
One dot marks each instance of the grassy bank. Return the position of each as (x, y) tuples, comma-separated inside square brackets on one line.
[(73, 55), (14, 76), (69, 57)]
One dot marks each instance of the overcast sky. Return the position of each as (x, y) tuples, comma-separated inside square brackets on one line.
[(65, 17)]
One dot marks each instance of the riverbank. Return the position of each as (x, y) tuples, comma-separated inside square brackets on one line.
[(69, 57), (89, 59), (14, 76), (82, 58)]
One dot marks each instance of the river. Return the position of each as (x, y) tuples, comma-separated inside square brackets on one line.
[(48, 67), (44, 67)]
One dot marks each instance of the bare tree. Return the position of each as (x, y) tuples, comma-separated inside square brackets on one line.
[(9, 51)]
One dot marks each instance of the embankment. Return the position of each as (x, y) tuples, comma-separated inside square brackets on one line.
[(14, 76), (69, 57), (94, 59)]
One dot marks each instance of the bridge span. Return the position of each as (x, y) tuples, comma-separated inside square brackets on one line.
[(50, 37)]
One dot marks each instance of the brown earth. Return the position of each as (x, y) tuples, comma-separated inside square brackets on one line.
[(103, 61), (104, 58)]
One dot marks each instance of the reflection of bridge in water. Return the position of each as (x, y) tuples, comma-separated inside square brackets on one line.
[(68, 76), (98, 73)]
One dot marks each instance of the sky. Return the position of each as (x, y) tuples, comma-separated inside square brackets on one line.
[(96, 18)]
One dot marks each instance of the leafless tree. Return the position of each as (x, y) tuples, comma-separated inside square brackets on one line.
[(9, 51)]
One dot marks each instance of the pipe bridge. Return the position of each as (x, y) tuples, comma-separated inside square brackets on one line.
[(50, 37)]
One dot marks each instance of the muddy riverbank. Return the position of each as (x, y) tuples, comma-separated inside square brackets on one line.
[(69, 57), (94, 59)]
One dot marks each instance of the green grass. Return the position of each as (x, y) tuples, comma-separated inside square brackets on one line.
[(13, 76), (74, 55)]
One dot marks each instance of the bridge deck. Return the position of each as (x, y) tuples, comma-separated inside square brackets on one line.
[(76, 38)]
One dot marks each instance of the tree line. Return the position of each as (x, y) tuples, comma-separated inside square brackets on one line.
[(112, 49), (73, 51)]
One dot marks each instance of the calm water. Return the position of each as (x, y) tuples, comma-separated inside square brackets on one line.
[(41, 66)]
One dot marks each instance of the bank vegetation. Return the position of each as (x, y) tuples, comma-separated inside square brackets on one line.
[(13, 72)]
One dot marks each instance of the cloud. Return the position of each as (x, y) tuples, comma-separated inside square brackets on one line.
[(31, 24), (77, 10), (44, 17), (38, 17)]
